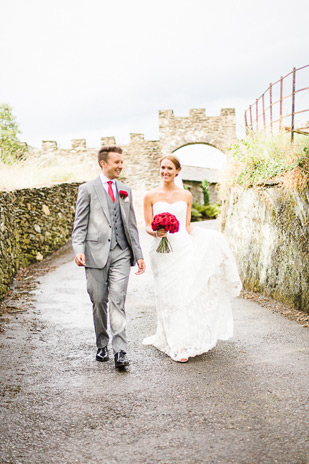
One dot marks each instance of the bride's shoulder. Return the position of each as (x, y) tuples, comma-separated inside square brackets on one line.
[(151, 194), (187, 195)]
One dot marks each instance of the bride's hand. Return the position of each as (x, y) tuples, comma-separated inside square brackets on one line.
[(161, 233)]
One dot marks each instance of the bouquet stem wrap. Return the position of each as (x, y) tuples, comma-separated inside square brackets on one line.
[(164, 246)]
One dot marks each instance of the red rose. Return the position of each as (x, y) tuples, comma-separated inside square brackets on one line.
[(123, 193)]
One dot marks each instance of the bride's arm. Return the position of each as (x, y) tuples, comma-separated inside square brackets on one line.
[(188, 218), (149, 217), (148, 214)]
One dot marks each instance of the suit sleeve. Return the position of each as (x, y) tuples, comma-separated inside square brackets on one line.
[(81, 220), (136, 247)]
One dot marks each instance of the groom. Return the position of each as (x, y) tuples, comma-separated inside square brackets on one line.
[(105, 240)]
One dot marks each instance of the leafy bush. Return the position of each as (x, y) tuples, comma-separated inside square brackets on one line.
[(195, 214), (199, 212), (198, 207), (212, 211), (259, 158)]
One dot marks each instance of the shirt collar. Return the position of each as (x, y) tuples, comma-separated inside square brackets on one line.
[(105, 179)]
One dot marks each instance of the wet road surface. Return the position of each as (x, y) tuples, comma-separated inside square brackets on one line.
[(244, 402)]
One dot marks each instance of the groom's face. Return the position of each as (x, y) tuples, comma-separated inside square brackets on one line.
[(113, 166)]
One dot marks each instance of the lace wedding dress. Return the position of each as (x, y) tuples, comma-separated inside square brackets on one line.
[(193, 287)]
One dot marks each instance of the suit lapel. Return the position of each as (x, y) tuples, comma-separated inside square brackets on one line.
[(99, 189), (121, 186)]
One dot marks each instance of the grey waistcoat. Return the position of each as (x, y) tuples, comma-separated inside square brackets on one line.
[(118, 235)]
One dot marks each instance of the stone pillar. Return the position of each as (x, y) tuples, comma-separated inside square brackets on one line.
[(111, 141), (166, 114), (228, 118), (137, 138), (227, 112), (197, 113), (49, 145), (79, 144)]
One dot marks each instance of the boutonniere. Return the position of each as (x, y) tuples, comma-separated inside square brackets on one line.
[(123, 194)]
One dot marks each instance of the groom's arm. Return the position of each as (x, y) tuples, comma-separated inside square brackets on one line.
[(133, 231), (81, 223)]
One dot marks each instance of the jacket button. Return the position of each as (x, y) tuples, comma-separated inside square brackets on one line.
[(109, 240)]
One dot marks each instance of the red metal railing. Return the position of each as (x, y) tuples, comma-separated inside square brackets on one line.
[(272, 115)]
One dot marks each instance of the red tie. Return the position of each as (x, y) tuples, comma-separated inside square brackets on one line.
[(110, 191)]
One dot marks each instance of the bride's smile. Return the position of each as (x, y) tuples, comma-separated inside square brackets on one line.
[(168, 171)]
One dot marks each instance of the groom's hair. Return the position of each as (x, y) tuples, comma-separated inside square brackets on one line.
[(105, 150)]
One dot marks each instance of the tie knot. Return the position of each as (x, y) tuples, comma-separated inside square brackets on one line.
[(110, 182)]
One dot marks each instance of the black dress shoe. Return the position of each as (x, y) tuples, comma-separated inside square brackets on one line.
[(121, 360), (102, 354)]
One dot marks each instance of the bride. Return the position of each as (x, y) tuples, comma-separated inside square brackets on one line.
[(195, 282)]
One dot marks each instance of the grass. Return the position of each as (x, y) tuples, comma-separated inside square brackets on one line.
[(37, 171), (258, 159)]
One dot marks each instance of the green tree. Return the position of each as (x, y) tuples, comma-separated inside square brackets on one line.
[(11, 149)]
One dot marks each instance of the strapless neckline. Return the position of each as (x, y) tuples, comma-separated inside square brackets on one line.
[(178, 201)]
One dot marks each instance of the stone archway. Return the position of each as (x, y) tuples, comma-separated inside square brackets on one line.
[(201, 162), (202, 155), (216, 131)]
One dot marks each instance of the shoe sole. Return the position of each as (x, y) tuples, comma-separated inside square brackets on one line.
[(102, 360), (122, 364)]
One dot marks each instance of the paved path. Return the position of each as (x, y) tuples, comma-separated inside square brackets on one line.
[(244, 402)]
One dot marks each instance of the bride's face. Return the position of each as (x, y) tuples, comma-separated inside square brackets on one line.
[(168, 170)]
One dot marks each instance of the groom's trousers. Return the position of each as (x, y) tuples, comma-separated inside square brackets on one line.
[(107, 289)]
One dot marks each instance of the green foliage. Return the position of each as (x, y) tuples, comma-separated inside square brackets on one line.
[(199, 212), (212, 211), (11, 148), (205, 185), (195, 214), (259, 158)]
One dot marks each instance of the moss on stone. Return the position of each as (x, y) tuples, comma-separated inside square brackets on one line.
[(22, 242), (272, 248)]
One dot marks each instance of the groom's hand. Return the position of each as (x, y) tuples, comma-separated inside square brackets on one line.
[(80, 259), (141, 266)]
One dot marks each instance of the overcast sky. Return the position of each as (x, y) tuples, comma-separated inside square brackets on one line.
[(86, 69)]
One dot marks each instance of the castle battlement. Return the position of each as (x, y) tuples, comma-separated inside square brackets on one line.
[(141, 156), (174, 132)]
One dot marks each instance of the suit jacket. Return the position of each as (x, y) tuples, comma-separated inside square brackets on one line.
[(92, 225)]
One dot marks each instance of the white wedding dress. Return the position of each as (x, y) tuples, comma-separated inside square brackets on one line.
[(193, 287)]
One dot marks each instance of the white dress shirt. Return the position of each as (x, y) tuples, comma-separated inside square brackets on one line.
[(105, 181)]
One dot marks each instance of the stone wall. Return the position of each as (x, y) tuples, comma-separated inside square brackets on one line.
[(33, 223), (141, 162), (267, 230)]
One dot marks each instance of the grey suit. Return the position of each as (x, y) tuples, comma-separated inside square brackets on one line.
[(107, 234)]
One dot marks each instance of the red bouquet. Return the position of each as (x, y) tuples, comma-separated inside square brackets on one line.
[(168, 222)]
